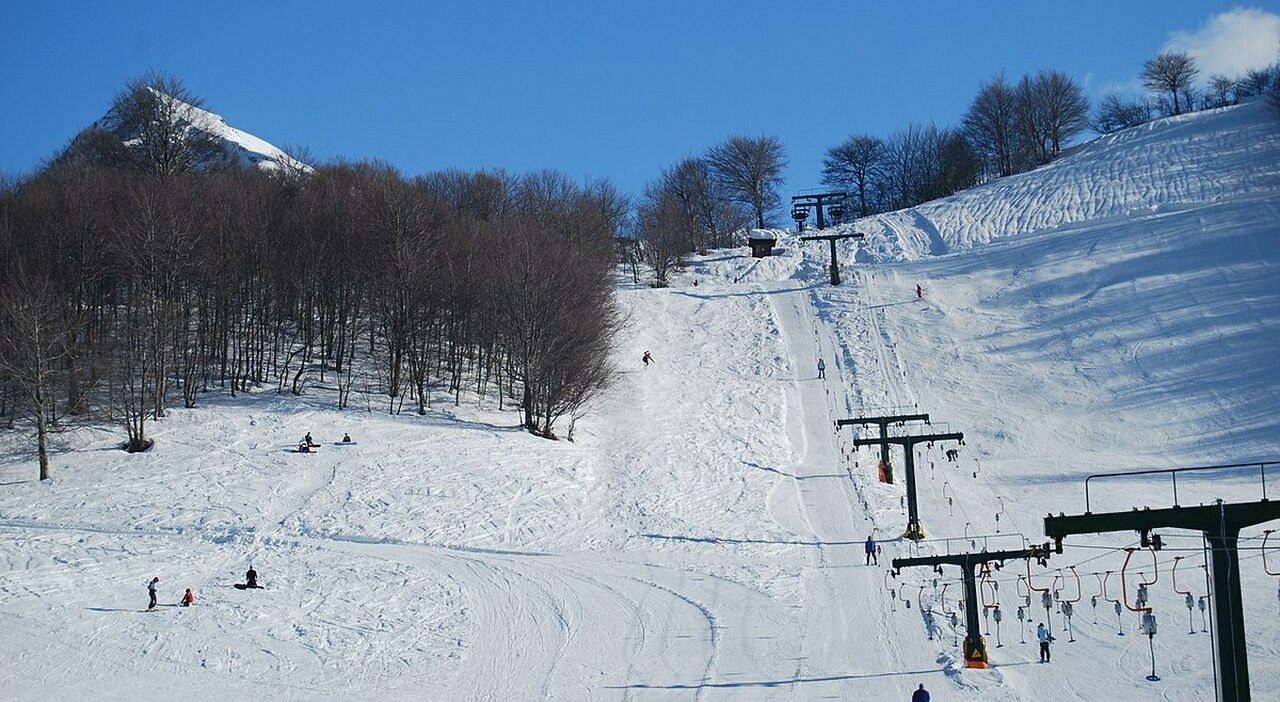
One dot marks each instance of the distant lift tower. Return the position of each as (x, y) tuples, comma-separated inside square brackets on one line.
[(883, 423), (835, 202), (835, 264), (914, 531), (975, 647)]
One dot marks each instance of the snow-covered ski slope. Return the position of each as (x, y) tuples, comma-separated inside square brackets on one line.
[(702, 538)]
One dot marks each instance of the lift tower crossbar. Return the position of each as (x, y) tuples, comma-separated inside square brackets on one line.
[(883, 423), (835, 264), (1221, 524), (975, 646), (914, 531), (815, 201)]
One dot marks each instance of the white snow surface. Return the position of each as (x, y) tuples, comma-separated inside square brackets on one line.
[(702, 537), (249, 149)]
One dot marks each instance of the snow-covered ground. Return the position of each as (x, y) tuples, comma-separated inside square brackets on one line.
[(702, 538)]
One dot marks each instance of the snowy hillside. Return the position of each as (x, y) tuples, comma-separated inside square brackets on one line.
[(703, 538), (1216, 156), (247, 149)]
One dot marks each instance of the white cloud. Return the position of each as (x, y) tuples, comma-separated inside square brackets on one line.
[(1232, 42)]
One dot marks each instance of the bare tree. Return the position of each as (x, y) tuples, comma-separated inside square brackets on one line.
[(1172, 74), (990, 124), (1257, 81), (750, 170), (1065, 108), (854, 166), (1222, 91), (1115, 113), (163, 121), (663, 227), (35, 334)]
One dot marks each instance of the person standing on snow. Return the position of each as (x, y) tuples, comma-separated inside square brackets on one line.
[(920, 695), (1042, 634), (919, 292), (822, 370), (871, 550), (151, 590)]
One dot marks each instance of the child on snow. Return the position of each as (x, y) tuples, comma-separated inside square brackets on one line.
[(188, 599)]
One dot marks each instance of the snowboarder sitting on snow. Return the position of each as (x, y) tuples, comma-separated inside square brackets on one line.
[(304, 448), (151, 590), (251, 578), (307, 439), (346, 438), (920, 695), (647, 358), (188, 598)]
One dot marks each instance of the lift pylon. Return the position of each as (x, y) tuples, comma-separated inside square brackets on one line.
[(883, 423), (835, 264), (914, 531), (975, 646), (1221, 524)]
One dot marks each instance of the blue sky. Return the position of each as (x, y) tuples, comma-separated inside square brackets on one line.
[(594, 89)]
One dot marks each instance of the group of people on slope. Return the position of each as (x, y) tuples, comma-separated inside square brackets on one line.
[(189, 598), (308, 443)]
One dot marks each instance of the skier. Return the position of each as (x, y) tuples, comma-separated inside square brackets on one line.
[(822, 370), (151, 590), (871, 550), (919, 292), (1042, 634), (647, 358), (920, 695), (188, 598)]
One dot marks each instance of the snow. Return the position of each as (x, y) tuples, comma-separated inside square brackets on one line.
[(702, 538), (247, 147)]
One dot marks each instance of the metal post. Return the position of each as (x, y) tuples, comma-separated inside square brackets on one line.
[(1228, 615)]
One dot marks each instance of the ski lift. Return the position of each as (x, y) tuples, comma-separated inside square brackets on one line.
[(1267, 535), (1119, 609), (1149, 628), (1001, 499), (1142, 607), (1190, 599), (836, 212), (1068, 607), (950, 498)]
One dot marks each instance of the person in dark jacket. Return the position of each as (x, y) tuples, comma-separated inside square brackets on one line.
[(251, 578), (920, 695), (822, 370), (151, 590), (871, 550)]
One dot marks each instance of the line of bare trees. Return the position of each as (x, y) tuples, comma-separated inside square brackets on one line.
[(1172, 89), (703, 202), (126, 290)]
